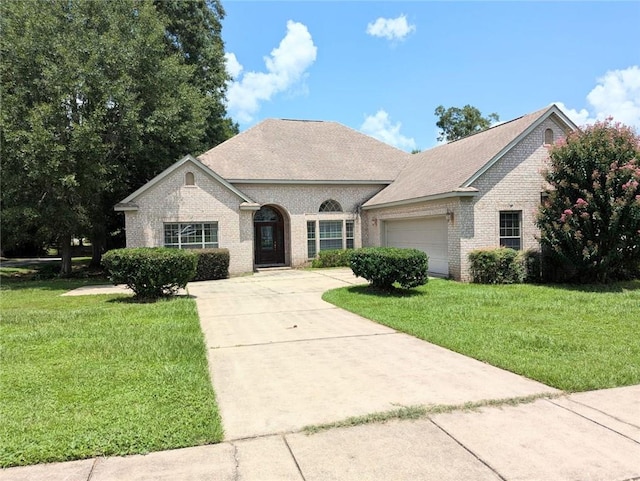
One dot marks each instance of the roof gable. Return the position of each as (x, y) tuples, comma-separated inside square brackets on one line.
[(307, 151), (128, 202), (452, 168)]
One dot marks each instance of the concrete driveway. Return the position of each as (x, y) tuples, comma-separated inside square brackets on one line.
[(281, 358)]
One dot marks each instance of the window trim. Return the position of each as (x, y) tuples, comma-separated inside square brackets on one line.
[(202, 244), (314, 242), (503, 240)]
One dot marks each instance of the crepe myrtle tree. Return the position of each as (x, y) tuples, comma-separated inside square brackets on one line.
[(590, 219)]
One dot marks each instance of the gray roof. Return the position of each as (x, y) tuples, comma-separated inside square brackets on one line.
[(450, 168), (303, 150)]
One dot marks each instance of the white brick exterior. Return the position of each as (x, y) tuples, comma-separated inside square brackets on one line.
[(210, 201), (514, 183)]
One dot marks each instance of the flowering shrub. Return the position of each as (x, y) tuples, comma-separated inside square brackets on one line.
[(590, 220)]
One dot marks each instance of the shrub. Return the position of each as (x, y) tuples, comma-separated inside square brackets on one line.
[(212, 264), (496, 266), (591, 218), (384, 266), (333, 258), (151, 272)]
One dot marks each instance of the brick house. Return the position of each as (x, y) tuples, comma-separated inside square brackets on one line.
[(278, 193)]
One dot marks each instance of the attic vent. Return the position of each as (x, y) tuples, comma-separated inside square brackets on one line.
[(330, 206), (189, 179), (548, 137)]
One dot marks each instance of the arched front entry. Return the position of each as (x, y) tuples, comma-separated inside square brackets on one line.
[(268, 235)]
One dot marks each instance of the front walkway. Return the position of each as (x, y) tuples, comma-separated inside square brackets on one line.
[(281, 358)]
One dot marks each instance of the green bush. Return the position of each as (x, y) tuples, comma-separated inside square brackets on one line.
[(497, 266), (384, 266), (333, 258), (151, 272), (212, 264)]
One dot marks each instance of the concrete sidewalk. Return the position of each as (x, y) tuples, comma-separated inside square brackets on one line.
[(281, 358)]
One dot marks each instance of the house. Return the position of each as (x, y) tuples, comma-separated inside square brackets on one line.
[(283, 190)]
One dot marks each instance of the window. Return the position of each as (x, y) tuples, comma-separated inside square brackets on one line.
[(266, 214), (510, 232), (189, 179), (311, 239), (349, 233), (330, 234), (330, 206), (191, 236), (548, 137), (323, 235)]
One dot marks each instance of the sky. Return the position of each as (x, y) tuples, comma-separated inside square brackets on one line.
[(382, 67)]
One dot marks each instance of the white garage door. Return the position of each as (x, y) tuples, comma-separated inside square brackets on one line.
[(426, 234)]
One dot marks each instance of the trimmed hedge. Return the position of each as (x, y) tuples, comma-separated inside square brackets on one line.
[(384, 266), (151, 272), (212, 264), (497, 266), (333, 258)]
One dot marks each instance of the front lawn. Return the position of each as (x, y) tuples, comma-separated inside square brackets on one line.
[(572, 338), (99, 375)]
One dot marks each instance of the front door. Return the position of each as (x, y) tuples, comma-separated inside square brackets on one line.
[(268, 232)]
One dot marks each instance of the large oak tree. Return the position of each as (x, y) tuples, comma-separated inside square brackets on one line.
[(98, 97)]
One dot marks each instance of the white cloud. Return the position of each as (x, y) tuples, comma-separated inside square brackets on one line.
[(233, 66), (286, 66), (617, 95), (380, 127), (391, 28)]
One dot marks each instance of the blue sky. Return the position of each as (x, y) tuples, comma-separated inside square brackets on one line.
[(382, 67)]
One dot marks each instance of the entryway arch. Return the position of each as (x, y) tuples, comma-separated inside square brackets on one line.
[(269, 237)]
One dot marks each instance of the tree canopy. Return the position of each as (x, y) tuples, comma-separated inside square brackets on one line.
[(590, 221), (455, 123), (98, 97)]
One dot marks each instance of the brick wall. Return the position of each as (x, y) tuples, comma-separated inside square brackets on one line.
[(207, 201), (514, 183)]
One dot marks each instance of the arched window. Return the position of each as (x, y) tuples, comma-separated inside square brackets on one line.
[(189, 179), (548, 137), (266, 214), (330, 206)]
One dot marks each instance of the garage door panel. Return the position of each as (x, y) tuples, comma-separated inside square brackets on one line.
[(426, 234)]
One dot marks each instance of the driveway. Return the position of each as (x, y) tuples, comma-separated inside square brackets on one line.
[(281, 358)]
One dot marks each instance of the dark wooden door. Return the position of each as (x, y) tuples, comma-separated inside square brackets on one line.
[(269, 243)]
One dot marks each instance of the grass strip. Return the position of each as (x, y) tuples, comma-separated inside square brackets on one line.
[(424, 411)]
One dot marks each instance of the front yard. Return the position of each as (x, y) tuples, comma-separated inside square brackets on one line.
[(99, 375), (574, 338)]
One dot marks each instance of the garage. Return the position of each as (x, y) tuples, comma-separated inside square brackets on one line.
[(428, 234)]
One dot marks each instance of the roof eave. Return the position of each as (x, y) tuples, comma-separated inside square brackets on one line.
[(310, 181), (125, 207), (180, 163), (463, 192)]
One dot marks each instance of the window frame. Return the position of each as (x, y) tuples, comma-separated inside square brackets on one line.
[(506, 228), (182, 233), (315, 236)]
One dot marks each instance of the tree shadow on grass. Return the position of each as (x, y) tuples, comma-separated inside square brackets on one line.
[(613, 287), (396, 292), (149, 300)]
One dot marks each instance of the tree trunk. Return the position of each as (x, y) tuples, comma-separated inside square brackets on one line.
[(98, 244), (65, 253)]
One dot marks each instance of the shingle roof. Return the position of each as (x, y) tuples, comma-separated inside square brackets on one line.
[(290, 150), (447, 168)]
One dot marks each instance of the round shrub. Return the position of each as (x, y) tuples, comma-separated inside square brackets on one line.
[(151, 272), (384, 266), (501, 265)]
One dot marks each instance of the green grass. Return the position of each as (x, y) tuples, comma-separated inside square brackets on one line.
[(99, 375), (574, 338)]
